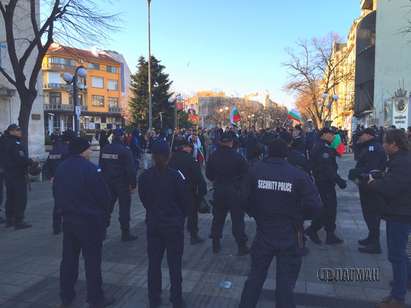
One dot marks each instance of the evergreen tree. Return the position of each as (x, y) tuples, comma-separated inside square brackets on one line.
[(160, 95)]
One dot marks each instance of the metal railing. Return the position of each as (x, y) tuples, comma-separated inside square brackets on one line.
[(114, 109), (62, 107)]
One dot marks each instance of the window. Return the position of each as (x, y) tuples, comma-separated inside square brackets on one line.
[(113, 101), (111, 69), (62, 61), (94, 66), (54, 77), (98, 100), (80, 99), (97, 82), (55, 98), (113, 85)]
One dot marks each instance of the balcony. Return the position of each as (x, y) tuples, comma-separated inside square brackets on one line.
[(56, 86), (58, 67), (62, 107), (114, 109)]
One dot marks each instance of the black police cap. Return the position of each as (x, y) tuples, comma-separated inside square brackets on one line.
[(181, 142), (327, 130), (78, 145), (13, 127), (368, 131)]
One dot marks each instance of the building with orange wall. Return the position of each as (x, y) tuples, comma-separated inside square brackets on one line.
[(100, 94)]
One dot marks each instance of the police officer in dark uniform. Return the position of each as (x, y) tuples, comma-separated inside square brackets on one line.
[(57, 155), (165, 197), (295, 157), (117, 165), (16, 164), (226, 169), (280, 196), (82, 197), (371, 158), (183, 161), (325, 172)]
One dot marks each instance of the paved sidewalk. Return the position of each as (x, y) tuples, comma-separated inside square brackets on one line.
[(29, 264)]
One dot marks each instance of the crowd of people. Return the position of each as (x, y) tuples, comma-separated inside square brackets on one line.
[(285, 178)]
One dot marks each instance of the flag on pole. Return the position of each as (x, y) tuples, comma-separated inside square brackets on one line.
[(294, 115), (234, 116), (338, 145)]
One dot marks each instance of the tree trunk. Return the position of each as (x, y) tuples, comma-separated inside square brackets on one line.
[(26, 104)]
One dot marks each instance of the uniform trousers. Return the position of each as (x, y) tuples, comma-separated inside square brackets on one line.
[(160, 240), (371, 212), (121, 191), (16, 198), (87, 239), (288, 268), (328, 214)]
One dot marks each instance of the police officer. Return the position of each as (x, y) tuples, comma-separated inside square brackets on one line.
[(117, 165), (371, 158), (16, 163), (280, 196), (57, 155), (295, 157), (226, 169), (325, 172), (165, 197), (82, 197), (183, 161)]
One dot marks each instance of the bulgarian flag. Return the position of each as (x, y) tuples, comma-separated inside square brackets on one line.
[(294, 115), (235, 116), (338, 145)]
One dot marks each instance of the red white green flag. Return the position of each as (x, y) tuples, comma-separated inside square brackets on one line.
[(235, 116), (294, 115), (338, 145)]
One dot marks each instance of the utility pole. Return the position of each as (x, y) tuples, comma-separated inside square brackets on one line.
[(150, 103)]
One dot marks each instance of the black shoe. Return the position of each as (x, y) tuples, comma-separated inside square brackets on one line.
[(313, 236), (21, 226), (365, 242), (332, 239), (216, 246), (196, 240), (243, 250), (127, 237), (107, 301), (371, 249)]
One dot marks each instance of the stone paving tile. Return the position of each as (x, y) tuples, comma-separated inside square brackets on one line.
[(29, 263)]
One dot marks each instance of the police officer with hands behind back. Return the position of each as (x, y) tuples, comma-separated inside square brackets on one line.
[(164, 195), (226, 169), (82, 197), (280, 197), (117, 166), (325, 172), (371, 160), (16, 164), (183, 161)]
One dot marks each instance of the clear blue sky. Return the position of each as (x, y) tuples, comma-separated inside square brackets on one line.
[(237, 46)]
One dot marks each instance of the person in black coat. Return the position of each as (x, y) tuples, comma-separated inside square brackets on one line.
[(183, 161), (280, 197), (57, 155), (371, 159), (119, 171), (164, 194), (325, 171), (226, 169), (82, 198), (394, 187), (16, 164)]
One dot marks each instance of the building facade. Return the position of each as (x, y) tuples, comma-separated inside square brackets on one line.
[(9, 99), (100, 92), (393, 64)]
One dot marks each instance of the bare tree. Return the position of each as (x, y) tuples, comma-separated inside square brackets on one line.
[(314, 70), (70, 21)]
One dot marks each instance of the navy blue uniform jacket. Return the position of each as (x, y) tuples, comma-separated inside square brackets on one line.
[(165, 197), (80, 192), (281, 197), (56, 156), (371, 157)]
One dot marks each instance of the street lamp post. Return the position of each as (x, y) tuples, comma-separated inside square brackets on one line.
[(73, 79), (150, 103)]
